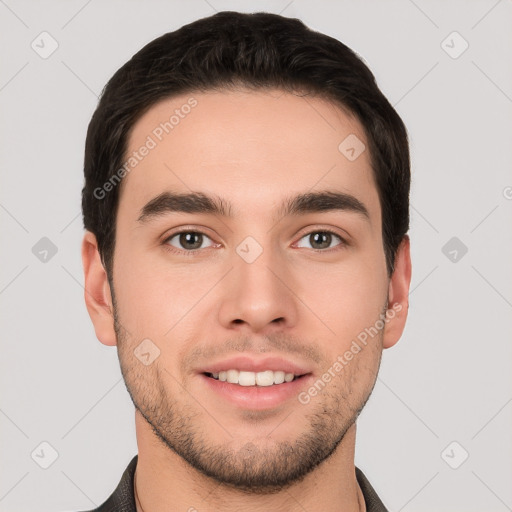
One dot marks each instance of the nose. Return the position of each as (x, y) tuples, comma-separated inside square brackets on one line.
[(259, 296)]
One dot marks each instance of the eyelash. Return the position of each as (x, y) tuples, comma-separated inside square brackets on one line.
[(194, 252)]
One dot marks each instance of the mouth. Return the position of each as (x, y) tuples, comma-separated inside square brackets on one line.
[(266, 378), (251, 383), (254, 390)]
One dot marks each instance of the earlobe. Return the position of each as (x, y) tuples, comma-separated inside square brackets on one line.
[(98, 297), (398, 295)]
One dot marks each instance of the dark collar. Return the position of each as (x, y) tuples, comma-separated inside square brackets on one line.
[(372, 500), (123, 498)]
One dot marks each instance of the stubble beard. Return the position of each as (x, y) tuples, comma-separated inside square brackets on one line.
[(256, 467)]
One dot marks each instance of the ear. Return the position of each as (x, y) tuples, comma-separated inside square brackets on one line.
[(398, 295), (98, 298)]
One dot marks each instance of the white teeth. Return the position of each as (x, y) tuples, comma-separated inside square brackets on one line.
[(243, 378), (278, 377), (265, 378), (232, 376), (246, 379)]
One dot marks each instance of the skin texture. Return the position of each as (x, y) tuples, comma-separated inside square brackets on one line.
[(254, 149)]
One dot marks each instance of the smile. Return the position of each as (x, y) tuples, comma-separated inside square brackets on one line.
[(245, 378)]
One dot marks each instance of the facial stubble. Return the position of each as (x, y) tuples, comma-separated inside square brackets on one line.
[(180, 422)]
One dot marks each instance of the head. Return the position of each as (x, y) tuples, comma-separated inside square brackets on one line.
[(224, 216)]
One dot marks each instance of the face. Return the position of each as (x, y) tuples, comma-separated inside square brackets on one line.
[(250, 285)]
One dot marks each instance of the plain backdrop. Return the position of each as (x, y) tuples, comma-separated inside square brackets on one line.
[(435, 434)]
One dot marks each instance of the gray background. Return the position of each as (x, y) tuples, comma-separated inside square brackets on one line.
[(447, 380)]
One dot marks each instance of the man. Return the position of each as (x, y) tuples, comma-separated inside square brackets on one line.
[(246, 210)]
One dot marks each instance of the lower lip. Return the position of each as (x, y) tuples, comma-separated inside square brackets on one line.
[(257, 397)]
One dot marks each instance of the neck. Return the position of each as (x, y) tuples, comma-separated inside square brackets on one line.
[(165, 482)]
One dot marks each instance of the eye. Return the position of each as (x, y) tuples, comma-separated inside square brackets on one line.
[(322, 239), (187, 240)]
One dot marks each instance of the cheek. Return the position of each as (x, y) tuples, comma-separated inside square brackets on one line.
[(347, 299), (156, 299), (141, 294)]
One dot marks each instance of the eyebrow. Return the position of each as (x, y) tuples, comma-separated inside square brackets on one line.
[(301, 204)]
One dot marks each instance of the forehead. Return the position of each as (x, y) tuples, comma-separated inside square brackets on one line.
[(252, 147)]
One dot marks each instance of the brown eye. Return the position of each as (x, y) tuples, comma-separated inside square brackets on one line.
[(320, 240), (187, 240)]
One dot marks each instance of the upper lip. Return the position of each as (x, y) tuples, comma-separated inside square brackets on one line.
[(251, 364)]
